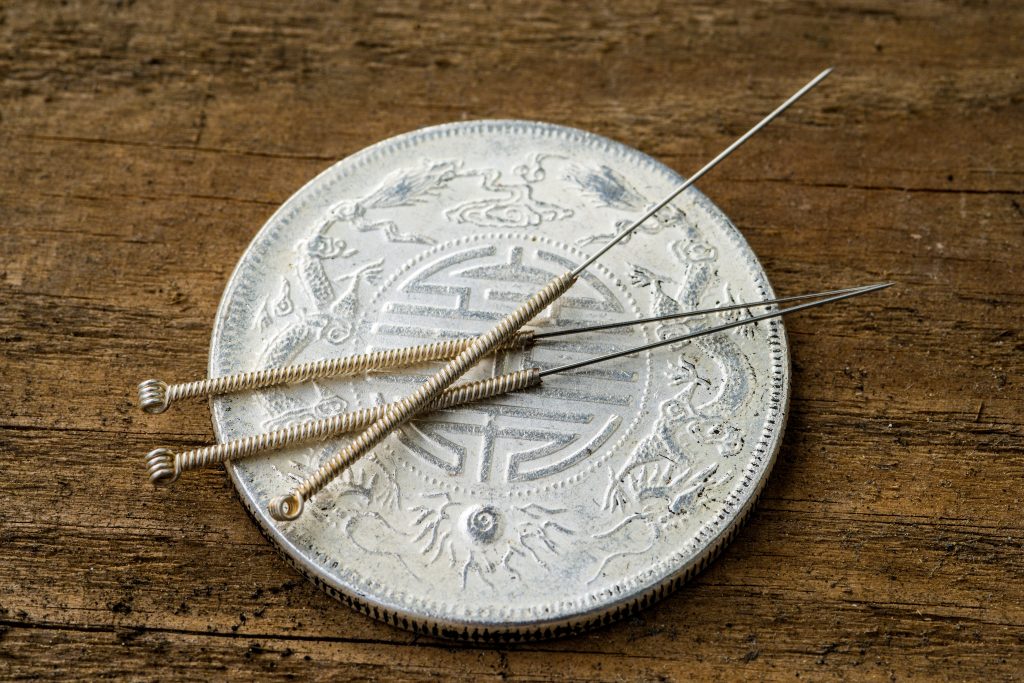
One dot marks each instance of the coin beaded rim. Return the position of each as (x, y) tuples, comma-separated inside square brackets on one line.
[(628, 428)]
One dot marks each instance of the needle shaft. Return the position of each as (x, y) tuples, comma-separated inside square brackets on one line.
[(690, 314), (712, 330), (707, 167)]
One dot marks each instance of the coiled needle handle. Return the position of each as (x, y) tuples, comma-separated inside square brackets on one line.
[(165, 466), (289, 507), (156, 396)]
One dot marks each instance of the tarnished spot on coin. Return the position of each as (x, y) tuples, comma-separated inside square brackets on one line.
[(528, 515)]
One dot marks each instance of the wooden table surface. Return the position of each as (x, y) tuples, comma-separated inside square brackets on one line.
[(144, 143)]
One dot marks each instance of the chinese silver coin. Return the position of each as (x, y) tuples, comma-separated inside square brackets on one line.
[(533, 514)]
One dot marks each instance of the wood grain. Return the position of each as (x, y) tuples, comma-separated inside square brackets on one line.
[(145, 143)]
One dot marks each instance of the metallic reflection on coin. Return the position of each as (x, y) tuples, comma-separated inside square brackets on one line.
[(534, 514)]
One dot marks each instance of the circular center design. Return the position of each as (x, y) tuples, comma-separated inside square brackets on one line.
[(527, 439)]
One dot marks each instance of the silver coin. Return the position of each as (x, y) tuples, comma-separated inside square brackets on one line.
[(533, 514)]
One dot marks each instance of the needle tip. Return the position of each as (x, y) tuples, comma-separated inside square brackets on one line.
[(820, 77), (876, 287)]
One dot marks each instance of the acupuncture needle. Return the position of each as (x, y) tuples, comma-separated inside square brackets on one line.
[(165, 466), (289, 506), (156, 396)]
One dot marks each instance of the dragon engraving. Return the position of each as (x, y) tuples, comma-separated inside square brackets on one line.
[(667, 474), (404, 187), (608, 189), (333, 318)]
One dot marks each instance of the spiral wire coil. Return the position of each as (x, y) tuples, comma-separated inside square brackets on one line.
[(290, 506), (155, 396), (165, 466)]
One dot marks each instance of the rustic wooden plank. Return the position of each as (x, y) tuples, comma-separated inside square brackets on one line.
[(159, 655), (145, 144)]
